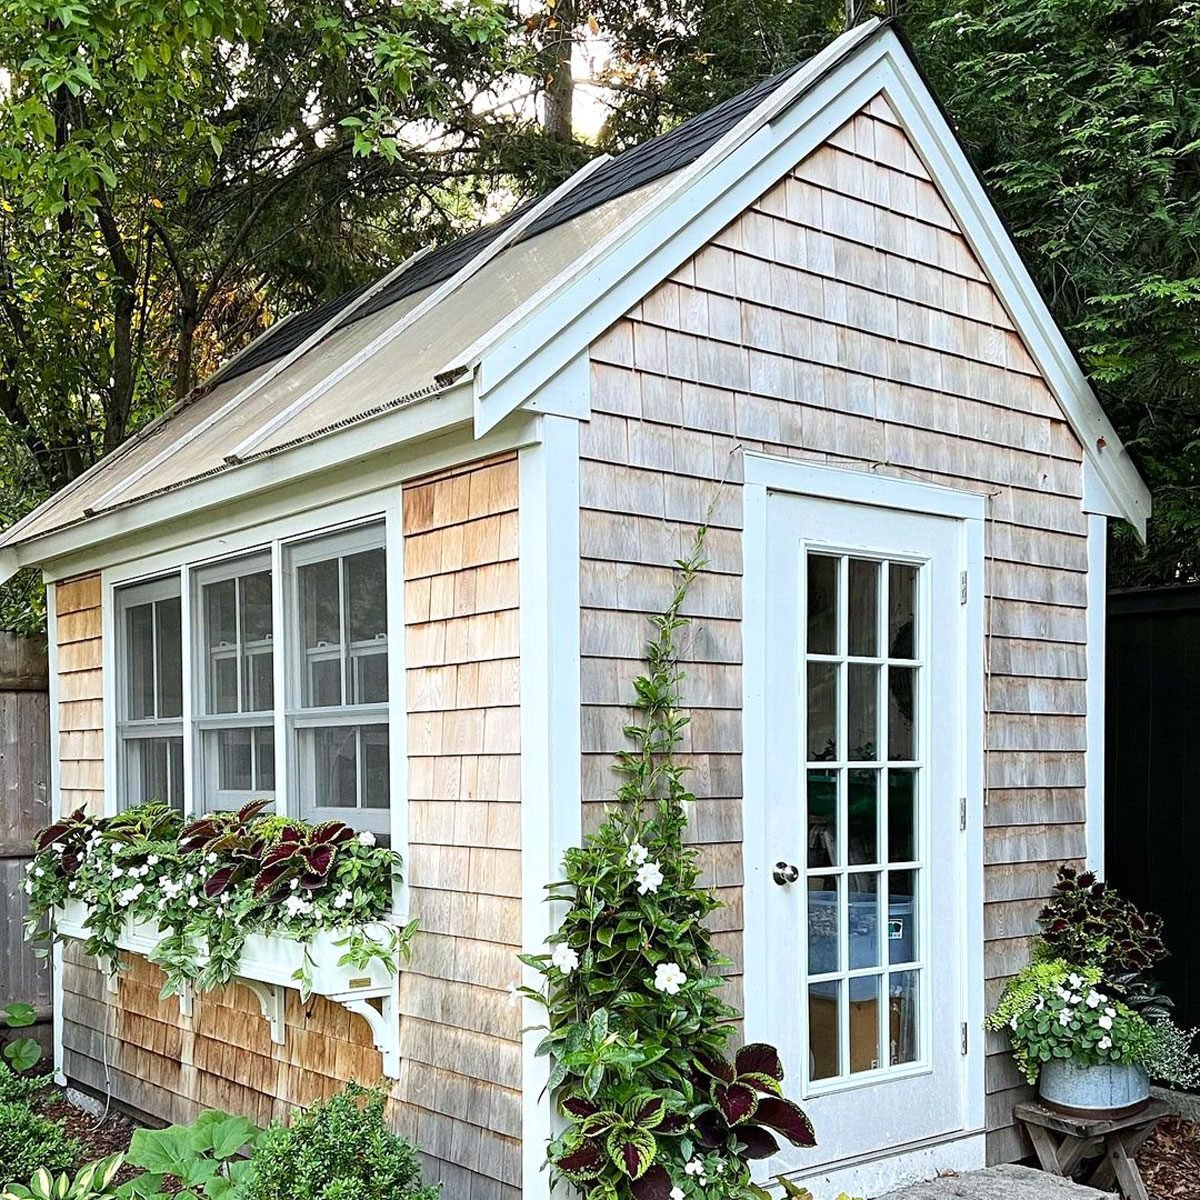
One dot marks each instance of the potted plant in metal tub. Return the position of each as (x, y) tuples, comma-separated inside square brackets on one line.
[(1086, 1023)]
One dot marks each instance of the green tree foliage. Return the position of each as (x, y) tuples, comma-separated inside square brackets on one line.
[(1085, 119), (176, 174)]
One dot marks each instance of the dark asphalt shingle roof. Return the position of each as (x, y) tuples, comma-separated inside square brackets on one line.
[(631, 169)]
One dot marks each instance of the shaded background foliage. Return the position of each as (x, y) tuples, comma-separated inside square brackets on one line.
[(176, 175)]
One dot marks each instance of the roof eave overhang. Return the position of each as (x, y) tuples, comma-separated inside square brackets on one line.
[(202, 501), (555, 327)]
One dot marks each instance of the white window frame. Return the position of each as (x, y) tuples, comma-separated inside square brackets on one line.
[(322, 514), (129, 729), (207, 793), (298, 717)]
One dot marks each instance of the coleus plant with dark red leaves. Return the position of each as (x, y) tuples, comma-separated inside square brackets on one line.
[(305, 854), (67, 839), (656, 1104)]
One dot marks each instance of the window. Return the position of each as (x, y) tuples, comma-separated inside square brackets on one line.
[(338, 677), (150, 697), (234, 657)]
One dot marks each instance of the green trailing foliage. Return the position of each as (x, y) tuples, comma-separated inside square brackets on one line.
[(656, 1105), (209, 885)]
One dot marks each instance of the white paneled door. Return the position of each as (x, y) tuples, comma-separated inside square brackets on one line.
[(863, 843)]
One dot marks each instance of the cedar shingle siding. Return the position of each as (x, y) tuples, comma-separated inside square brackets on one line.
[(842, 319)]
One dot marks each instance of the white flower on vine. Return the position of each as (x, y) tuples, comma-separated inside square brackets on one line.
[(29, 887), (695, 1167), (71, 886), (1064, 1018), (366, 838), (669, 978), (1074, 980), (294, 884), (38, 872), (1105, 1043), (57, 847), (212, 857), (193, 902), (1105, 1022), (1110, 1012), (343, 898), (720, 1168), (637, 854), (649, 878), (1013, 1023), (117, 872), (677, 1193), (564, 958), (152, 860), (297, 906), (1094, 999)]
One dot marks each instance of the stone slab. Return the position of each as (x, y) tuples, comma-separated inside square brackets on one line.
[(1007, 1182)]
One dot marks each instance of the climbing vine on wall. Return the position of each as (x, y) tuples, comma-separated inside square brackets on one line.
[(656, 1107)]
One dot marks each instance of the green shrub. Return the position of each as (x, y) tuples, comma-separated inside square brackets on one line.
[(337, 1150), (19, 1087), (29, 1141)]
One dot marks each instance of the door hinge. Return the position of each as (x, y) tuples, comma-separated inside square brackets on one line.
[(962, 587), (965, 1037), (962, 812)]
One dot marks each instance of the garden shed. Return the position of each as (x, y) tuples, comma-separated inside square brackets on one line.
[(393, 563)]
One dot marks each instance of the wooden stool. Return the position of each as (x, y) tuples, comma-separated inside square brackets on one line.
[(1064, 1143)]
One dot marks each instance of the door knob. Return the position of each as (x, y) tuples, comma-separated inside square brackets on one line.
[(785, 873)]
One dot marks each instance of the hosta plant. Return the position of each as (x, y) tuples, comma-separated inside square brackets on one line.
[(655, 1104), (206, 887), (95, 1181)]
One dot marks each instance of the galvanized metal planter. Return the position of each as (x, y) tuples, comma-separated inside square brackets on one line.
[(1105, 1090)]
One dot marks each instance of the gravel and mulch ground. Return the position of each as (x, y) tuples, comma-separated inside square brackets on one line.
[(98, 1134), (1170, 1160)]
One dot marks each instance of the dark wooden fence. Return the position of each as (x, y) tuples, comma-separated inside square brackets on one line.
[(1152, 787), (24, 808)]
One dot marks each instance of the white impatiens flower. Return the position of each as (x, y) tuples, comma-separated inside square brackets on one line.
[(1105, 1022), (695, 1167), (637, 854), (57, 847), (1074, 980), (669, 978), (649, 878), (152, 860), (366, 838), (1094, 999), (212, 857), (1013, 1023), (28, 887), (1064, 1018), (1105, 1043), (117, 872), (39, 872), (1110, 1012), (677, 1193), (297, 906), (564, 958), (193, 902)]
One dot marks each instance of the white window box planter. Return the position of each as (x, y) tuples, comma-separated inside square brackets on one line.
[(271, 963)]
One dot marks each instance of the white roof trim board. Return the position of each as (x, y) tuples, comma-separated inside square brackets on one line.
[(518, 310)]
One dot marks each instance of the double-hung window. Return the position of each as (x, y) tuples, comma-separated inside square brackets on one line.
[(233, 653), (338, 677), (150, 694)]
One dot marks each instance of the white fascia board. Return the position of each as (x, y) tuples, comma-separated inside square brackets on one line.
[(422, 423), (1097, 498), (575, 309)]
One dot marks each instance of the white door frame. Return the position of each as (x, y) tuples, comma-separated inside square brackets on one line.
[(768, 473)]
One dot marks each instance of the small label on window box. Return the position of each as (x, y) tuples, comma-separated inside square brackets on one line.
[(357, 983)]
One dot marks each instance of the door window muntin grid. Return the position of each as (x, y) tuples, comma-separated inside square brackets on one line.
[(846, 968)]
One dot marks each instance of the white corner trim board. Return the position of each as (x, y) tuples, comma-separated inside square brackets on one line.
[(1097, 637), (551, 805)]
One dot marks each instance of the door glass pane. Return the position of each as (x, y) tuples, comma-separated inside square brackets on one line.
[(902, 610), (822, 711), (862, 702), (902, 917), (903, 991), (139, 638), (862, 807), (863, 584), (864, 1023), (901, 713), (863, 937), (320, 624), (902, 815), (824, 1029), (822, 604), (822, 818), (170, 657), (258, 684), (864, 920), (823, 913)]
